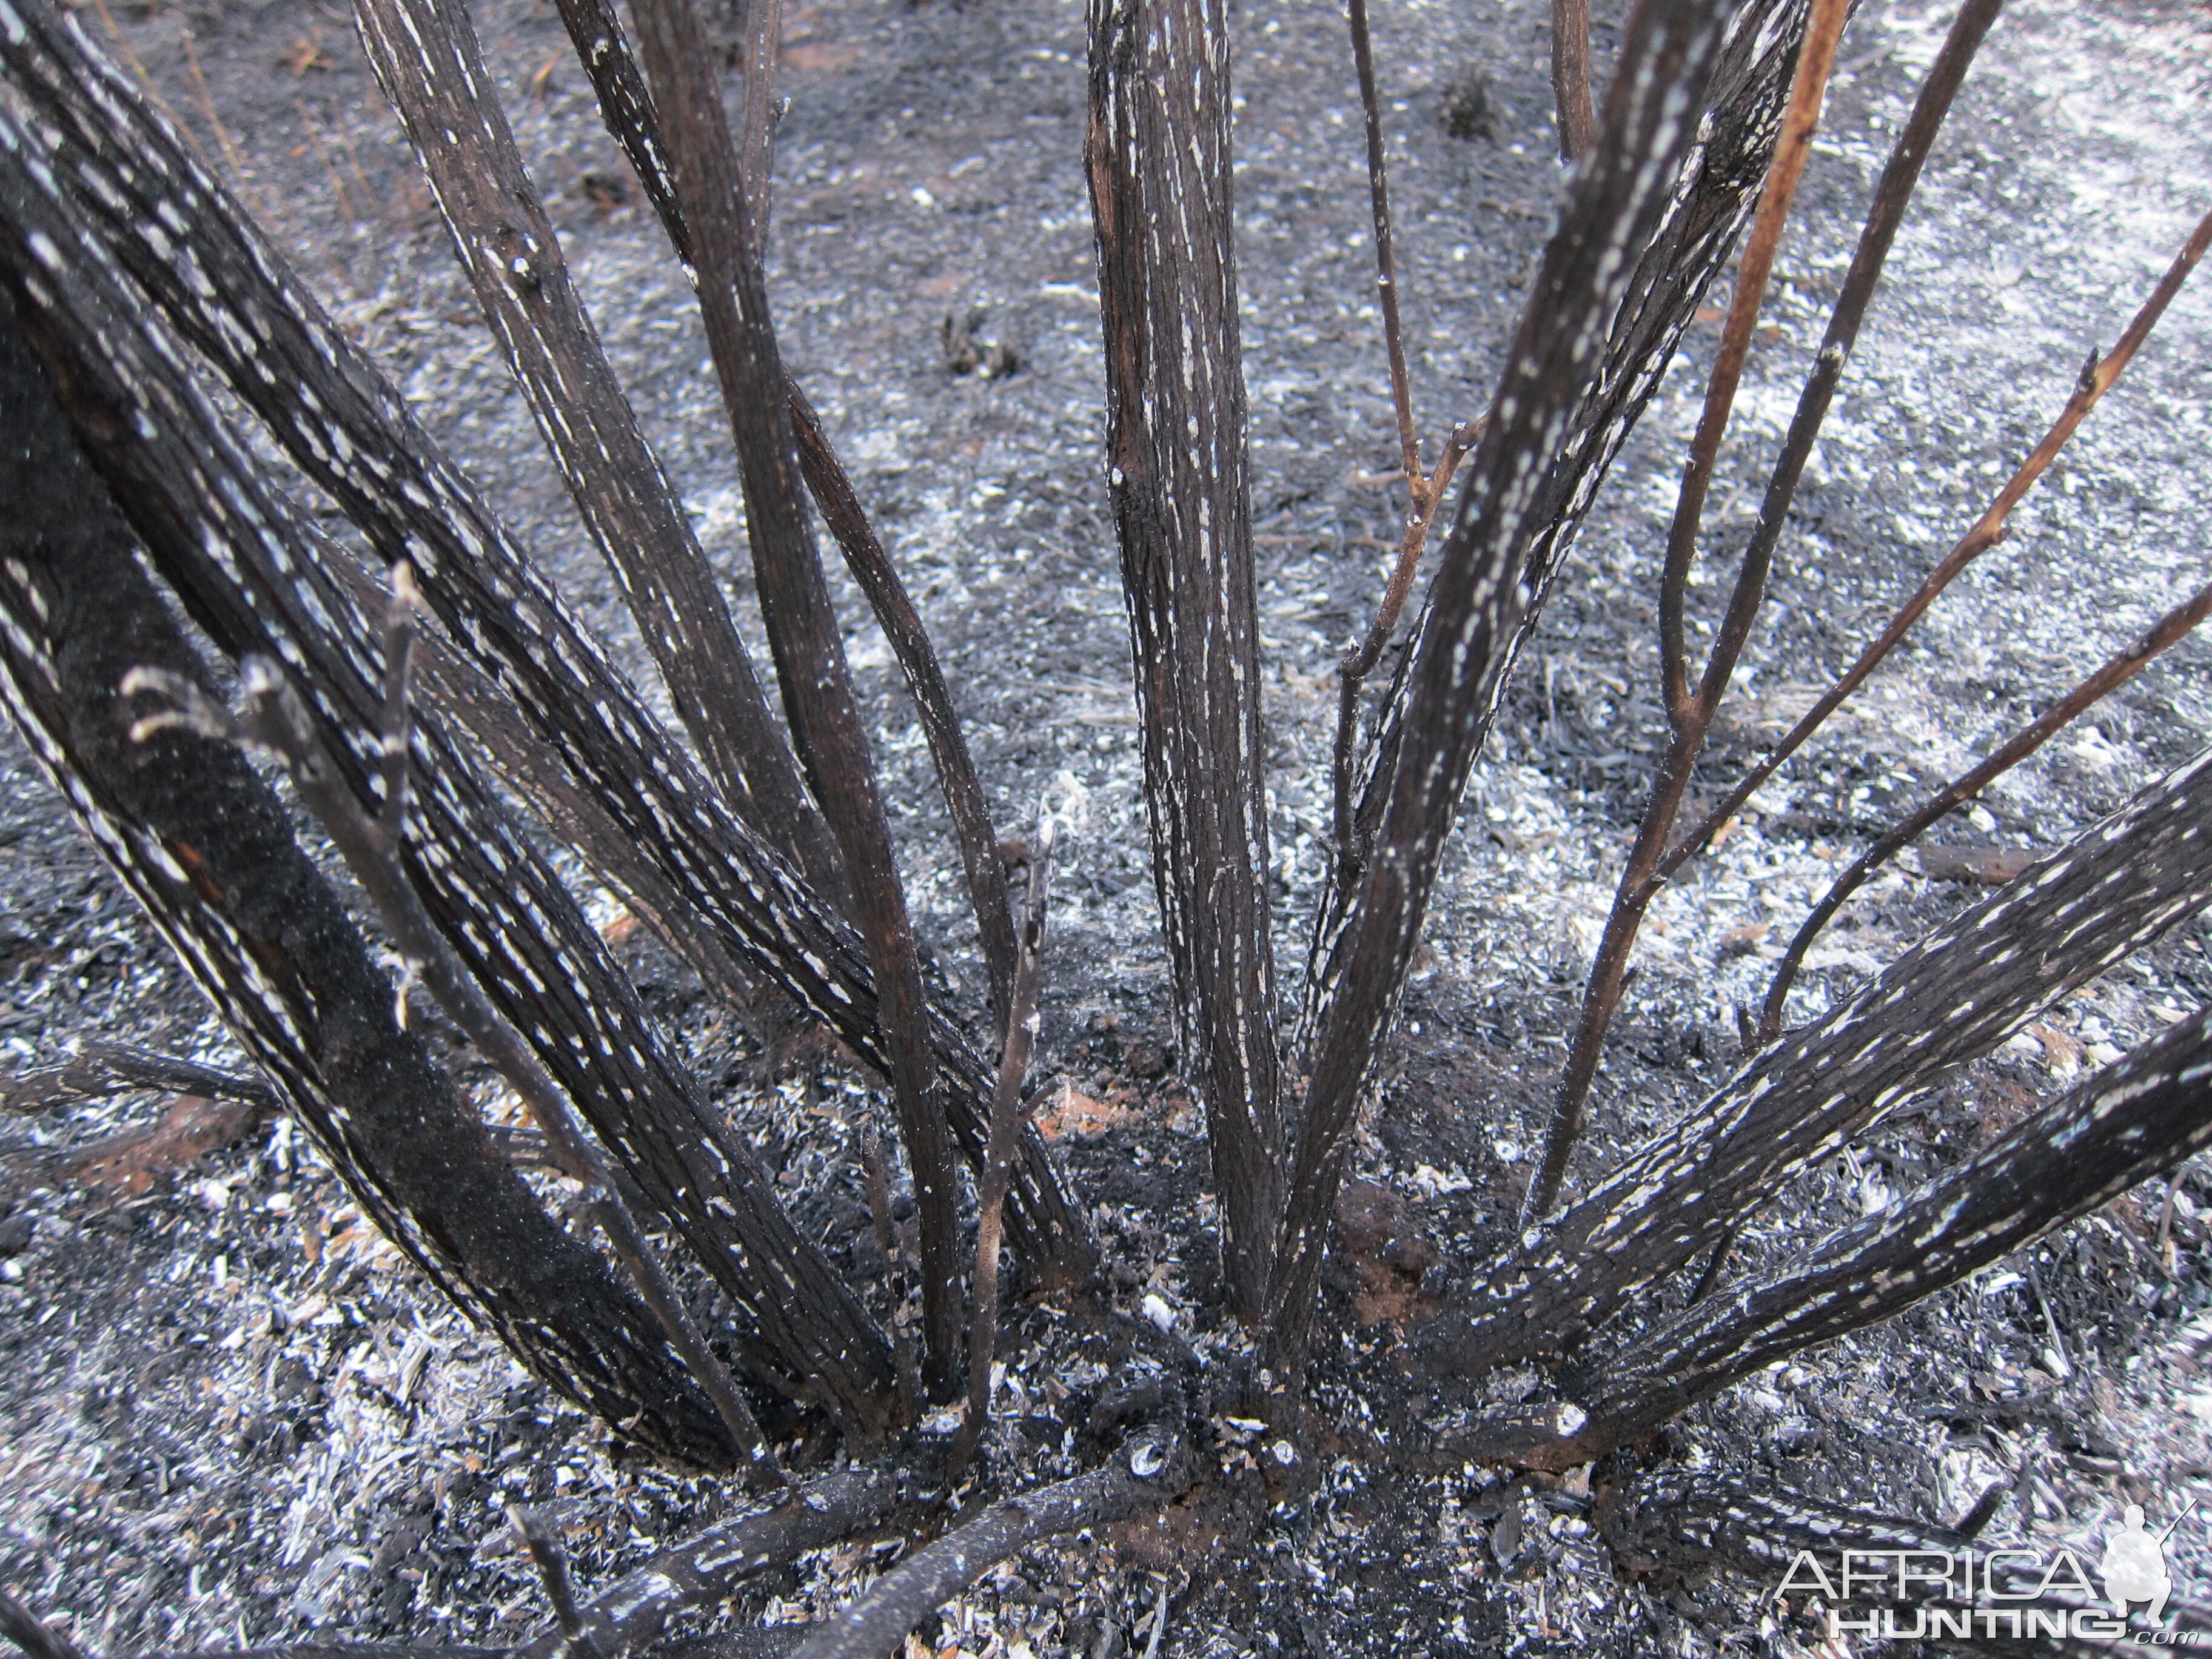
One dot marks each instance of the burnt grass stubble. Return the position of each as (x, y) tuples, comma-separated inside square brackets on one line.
[(303, 1438)]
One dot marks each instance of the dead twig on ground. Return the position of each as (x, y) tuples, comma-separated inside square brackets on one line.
[(1149, 1470)]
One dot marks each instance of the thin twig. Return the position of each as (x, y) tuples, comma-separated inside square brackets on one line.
[(2097, 378), (101, 1069), (1714, 1263), (1359, 662), (1386, 264), (1147, 1471), (1815, 58), (275, 719), (2115, 670), (1571, 78), (998, 1154), (552, 1563), (222, 133), (1691, 717)]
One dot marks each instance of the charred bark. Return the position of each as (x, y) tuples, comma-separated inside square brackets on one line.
[(627, 108), (1616, 205), (1158, 157), (233, 298), (1711, 200), (430, 66), (2135, 1120), (202, 843), (802, 623), (1955, 996), (258, 581)]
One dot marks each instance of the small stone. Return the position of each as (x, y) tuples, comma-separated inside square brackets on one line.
[(15, 1234)]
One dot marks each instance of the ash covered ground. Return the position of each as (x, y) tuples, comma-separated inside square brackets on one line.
[(233, 1415)]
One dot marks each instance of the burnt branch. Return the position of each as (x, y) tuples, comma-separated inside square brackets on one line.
[(2170, 629), (629, 1613), (2136, 1119), (1386, 257), (1613, 207), (261, 581), (997, 1160), (552, 1563), (274, 718), (627, 108), (1955, 996), (27, 1631), (625, 1617), (203, 843), (337, 417), (1360, 661), (1148, 1472), (802, 624), (871, 567), (1710, 201), (2097, 378), (1159, 158), (428, 63), (1690, 717), (1571, 78), (102, 1069)]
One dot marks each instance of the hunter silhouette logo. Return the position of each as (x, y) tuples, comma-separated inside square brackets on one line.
[(2023, 1593), (2134, 1568)]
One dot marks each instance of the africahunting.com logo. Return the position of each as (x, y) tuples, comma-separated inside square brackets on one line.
[(2009, 1591)]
